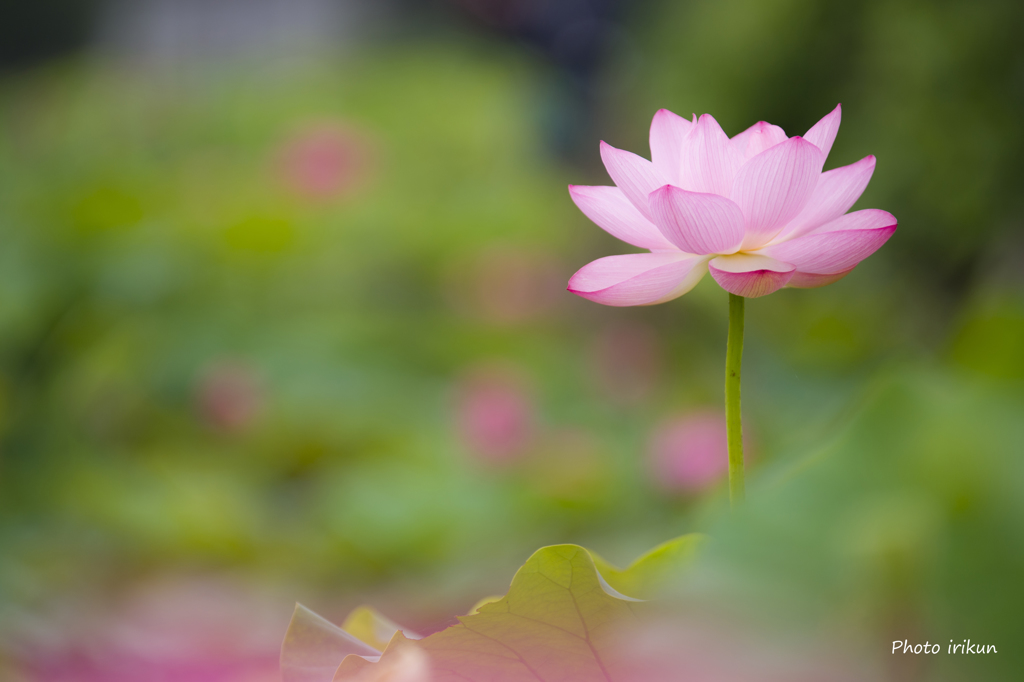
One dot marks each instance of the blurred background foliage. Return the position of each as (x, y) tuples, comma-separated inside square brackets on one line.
[(297, 312)]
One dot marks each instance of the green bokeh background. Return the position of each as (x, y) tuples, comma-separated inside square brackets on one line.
[(146, 236)]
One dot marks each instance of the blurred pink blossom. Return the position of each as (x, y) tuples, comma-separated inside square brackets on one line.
[(755, 210), (494, 414), (192, 630), (626, 361), (689, 452), (325, 160), (230, 395)]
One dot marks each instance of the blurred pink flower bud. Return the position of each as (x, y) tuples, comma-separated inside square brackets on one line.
[(494, 414), (230, 396), (689, 452), (626, 361), (325, 161)]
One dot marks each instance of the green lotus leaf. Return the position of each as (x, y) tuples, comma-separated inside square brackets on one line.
[(647, 574), (560, 620)]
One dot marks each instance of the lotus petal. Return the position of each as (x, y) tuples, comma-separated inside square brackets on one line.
[(709, 161), (668, 131), (609, 208), (823, 133), (697, 223), (774, 186), (805, 280), (638, 278), (839, 245), (634, 175), (757, 138), (750, 275), (837, 190)]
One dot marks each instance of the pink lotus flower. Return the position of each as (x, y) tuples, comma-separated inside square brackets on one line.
[(325, 161), (689, 453), (230, 396), (756, 210)]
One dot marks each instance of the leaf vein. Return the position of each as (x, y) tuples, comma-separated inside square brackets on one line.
[(586, 630), (499, 642)]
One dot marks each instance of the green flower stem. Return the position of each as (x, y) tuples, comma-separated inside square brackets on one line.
[(734, 428)]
